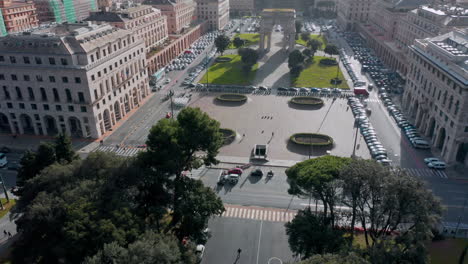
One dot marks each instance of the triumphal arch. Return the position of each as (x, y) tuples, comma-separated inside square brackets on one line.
[(286, 18)]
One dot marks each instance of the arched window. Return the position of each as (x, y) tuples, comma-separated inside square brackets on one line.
[(19, 95), (445, 98), (450, 102), (69, 96), (31, 93), (56, 95), (43, 94)]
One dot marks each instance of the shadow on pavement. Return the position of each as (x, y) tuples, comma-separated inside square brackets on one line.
[(227, 104), (283, 81), (313, 151)]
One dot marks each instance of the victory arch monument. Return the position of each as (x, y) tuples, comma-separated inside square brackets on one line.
[(286, 18)]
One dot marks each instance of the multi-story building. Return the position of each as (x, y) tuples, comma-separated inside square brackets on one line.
[(382, 28), (242, 7), (17, 16), (216, 12), (146, 22), (436, 93), (75, 78), (352, 12), (60, 11), (179, 13)]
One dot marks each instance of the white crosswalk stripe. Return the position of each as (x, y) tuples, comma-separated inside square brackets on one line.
[(373, 100), (121, 151), (257, 213), (427, 173)]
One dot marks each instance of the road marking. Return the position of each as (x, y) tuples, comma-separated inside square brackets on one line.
[(259, 240), (258, 213)]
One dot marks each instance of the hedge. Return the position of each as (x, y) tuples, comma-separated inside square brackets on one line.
[(329, 140), (232, 98), (296, 100)]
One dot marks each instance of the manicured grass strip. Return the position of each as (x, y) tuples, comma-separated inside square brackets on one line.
[(317, 75), (322, 38), (249, 38), (229, 72), (7, 206)]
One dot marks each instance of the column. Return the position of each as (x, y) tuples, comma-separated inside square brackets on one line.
[(292, 41), (269, 42), (262, 42)]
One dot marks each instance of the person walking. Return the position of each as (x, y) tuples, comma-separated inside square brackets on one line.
[(9, 234), (5, 232)]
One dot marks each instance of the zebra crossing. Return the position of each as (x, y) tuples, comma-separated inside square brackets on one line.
[(373, 100), (126, 151), (258, 213), (428, 173)]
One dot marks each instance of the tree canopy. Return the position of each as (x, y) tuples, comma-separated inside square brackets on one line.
[(305, 36), (331, 49), (249, 58), (296, 62), (221, 43), (314, 44), (238, 42), (350, 258)]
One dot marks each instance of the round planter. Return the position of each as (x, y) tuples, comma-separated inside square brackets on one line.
[(312, 139), (307, 100), (232, 98), (228, 135)]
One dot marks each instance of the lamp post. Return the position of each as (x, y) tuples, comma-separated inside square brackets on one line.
[(206, 59), (171, 93)]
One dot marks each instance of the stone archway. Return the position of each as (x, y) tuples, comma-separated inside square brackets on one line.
[(50, 125), (441, 139), (127, 103), (75, 127), (118, 115), (415, 108), (4, 124), (135, 96), (462, 152), (271, 17), (431, 128), (107, 120), (27, 124)]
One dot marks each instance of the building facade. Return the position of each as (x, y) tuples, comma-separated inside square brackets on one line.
[(80, 79), (17, 16), (216, 12), (242, 7), (436, 93), (61, 11), (146, 22), (352, 12), (179, 13)]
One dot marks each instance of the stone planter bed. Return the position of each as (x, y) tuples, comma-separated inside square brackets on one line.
[(228, 135), (307, 100), (232, 98), (312, 139)]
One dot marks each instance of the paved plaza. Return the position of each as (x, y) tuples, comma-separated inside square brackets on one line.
[(272, 120)]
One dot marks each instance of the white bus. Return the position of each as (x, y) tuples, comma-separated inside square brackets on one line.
[(3, 160)]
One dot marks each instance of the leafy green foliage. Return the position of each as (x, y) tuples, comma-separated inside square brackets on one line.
[(331, 49), (305, 36), (309, 234), (298, 24), (249, 57), (314, 44), (221, 43), (351, 258), (296, 62), (238, 42)]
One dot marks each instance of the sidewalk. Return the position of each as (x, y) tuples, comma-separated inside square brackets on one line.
[(229, 162)]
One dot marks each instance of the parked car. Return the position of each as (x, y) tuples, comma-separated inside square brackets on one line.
[(432, 159), (439, 165), (257, 173)]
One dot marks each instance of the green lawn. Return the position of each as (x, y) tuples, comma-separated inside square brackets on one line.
[(250, 39), (316, 75), (229, 72), (322, 38), (7, 206)]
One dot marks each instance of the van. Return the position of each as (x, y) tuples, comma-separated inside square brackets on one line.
[(421, 144), (3, 160)]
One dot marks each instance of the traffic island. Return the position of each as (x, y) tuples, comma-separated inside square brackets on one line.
[(231, 98), (228, 135), (307, 101), (312, 139)]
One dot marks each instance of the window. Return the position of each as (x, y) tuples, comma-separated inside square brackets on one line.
[(93, 78), (36, 116), (61, 118), (83, 109), (21, 105), (39, 78), (71, 108), (2, 58), (19, 95), (26, 60), (69, 96), (46, 107), (81, 97), (38, 60), (26, 78), (31, 93), (56, 95), (51, 61), (14, 77), (2, 77), (43, 94), (64, 61), (466, 129), (52, 79), (77, 80), (33, 106), (58, 107), (65, 79), (6, 92), (12, 59), (9, 105)]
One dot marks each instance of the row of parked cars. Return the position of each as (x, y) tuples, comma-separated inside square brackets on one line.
[(190, 79), (315, 90), (376, 149)]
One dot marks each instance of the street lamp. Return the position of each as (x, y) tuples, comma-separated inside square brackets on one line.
[(171, 93)]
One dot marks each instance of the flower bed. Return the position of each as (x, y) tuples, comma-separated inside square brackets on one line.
[(328, 62), (312, 139), (307, 100), (228, 135), (232, 98)]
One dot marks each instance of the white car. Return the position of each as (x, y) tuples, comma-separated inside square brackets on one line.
[(199, 252), (440, 165), (429, 160)]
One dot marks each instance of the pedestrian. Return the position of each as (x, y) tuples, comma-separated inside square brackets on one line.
[(5, 232), (272, 133), (239, 251), (243, 135), (9, 234)]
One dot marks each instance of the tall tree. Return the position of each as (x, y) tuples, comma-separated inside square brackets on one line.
[(32, 163), (310, 234), (221, 43), (351, 258), (238, 42), (64, 149), (249, 58), (317, 178), (298, 24), (331, 49), (314, 44), (295, 62), (308, 54)]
